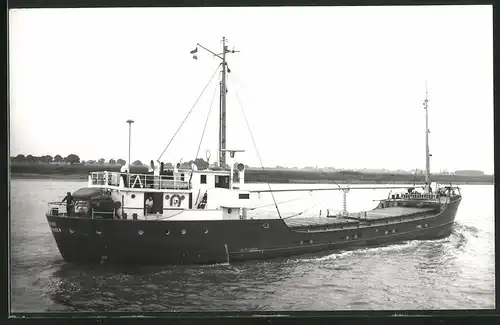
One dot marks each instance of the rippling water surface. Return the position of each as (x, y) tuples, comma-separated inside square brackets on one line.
[(452, 273)]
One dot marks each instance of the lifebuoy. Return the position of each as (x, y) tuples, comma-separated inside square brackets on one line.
[(175, 200)]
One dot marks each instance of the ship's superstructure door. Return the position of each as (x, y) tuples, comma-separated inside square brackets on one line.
[(157, 202)]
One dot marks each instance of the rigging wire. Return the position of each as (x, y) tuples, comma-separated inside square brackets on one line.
[(204, 128), (328, 178), (189, 112), (300, 213), (206, 121), (267, 205), (255, 146), (237, 79), (320, 169)]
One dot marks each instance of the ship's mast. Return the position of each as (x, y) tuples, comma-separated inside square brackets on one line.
[(223, 93), (222, 124), (427, 154)]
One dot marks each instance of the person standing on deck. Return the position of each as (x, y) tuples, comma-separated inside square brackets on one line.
[(154, 169), (69, 203), (124, 172), (156, 175), (149, 205), (151, 171)]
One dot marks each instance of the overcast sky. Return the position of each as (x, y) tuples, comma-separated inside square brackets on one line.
[(339, 86)]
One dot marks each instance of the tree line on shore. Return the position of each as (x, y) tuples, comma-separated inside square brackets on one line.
[(73, 159)]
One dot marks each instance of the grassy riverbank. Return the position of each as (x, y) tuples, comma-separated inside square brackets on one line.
[(252, 175)]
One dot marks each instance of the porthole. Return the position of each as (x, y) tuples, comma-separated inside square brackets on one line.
[(376, 230), (140, 232), (347, 237), (167, 197), (183, 231), (229, 210), (206, 231), (393, 230), (386, 232), (425, 225), (266, 226), (182, 197), (310, 241), (419, 226), (98, 232), (71, 231), (302, 242), (355, 236), (167, 232), (133, 196)]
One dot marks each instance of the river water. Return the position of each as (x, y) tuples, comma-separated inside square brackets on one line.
[(453, 273)]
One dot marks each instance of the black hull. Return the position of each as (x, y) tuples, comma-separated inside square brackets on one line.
[(86, 241)]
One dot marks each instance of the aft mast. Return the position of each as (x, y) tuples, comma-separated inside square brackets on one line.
[(427, 154)]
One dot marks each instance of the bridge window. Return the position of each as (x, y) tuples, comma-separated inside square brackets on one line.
[(221, 181), (244, 196), (203, 179)]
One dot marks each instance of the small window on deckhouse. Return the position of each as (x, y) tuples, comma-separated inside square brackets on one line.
[(203, 179)]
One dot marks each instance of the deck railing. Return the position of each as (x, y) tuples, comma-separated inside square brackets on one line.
[(54, 210), (415, 196), (140, 180), (105, 178)]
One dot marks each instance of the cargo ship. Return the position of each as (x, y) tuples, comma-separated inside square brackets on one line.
[(203, 215)]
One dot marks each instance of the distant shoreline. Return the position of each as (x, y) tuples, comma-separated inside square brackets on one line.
[(252, 175), (47, 176)]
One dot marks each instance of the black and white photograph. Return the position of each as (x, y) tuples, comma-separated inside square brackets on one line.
[(251, 159)]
